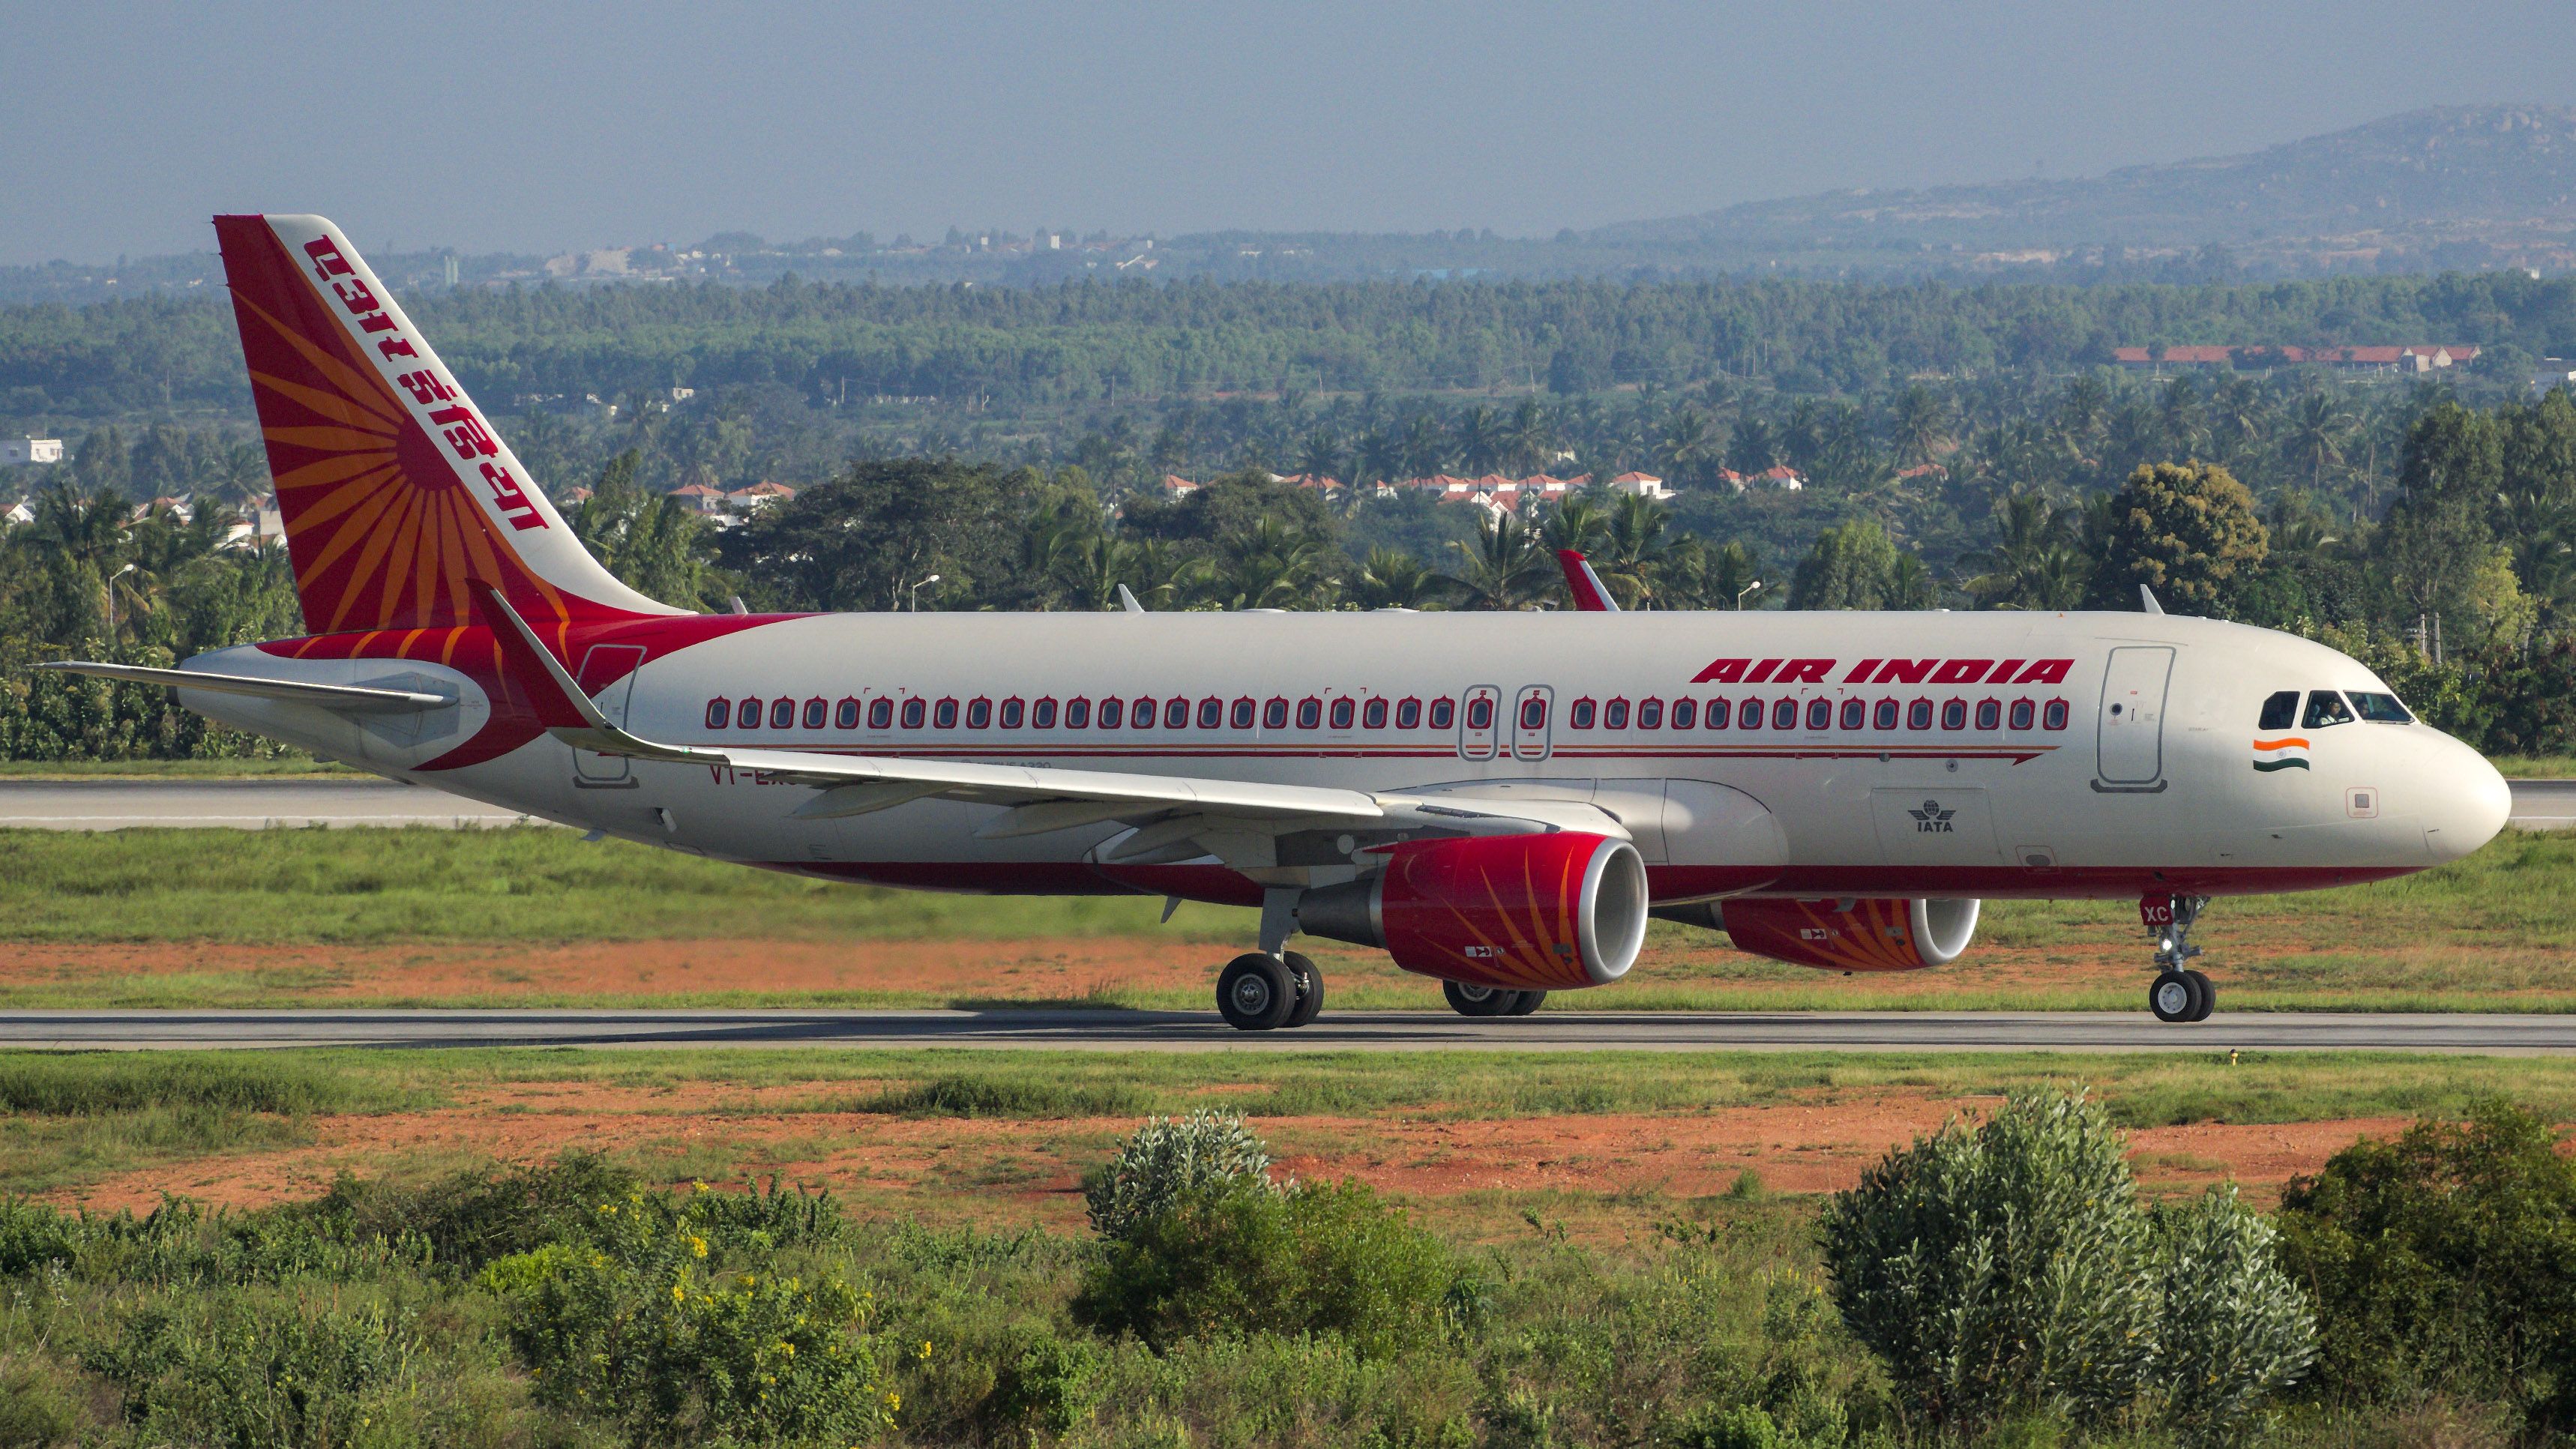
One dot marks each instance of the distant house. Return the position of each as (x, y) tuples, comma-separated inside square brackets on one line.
[(19, 513), (27, 452), (699, 498), (574, 496), (2552, 374), (758, 496), (1643, 485), (2419, 357)]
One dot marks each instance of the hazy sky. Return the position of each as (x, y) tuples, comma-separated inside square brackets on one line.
[(536, 127)]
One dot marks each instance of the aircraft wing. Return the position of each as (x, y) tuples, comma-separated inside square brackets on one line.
[(349, 698), (1174, 812)]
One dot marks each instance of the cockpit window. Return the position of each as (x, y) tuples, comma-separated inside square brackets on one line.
[(2280, 711), (2379, 708), (2325, 707)]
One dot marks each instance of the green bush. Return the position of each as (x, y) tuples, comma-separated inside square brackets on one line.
[(470, 1218), (1052, 1385), (1169, 1158), (2009, 1267), (1245, 1258), (2444, 1263), (234, 1372), (640, 1327)]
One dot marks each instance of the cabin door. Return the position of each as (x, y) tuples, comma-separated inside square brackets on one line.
[(608, 677), (2130, 732)]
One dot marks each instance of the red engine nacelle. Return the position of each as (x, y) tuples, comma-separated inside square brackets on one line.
[(1525, 912), (1862, 935)]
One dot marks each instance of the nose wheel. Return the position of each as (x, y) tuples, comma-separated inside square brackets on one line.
[(2179, 993)]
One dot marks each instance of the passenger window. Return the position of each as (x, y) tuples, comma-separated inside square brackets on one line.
[(1585, 711), (1274, 715), (1373, 715), (1616, 716), (746, 715), (1784, 714), (1014, 713), (1954, 714), (845, 715), (1043, 717), (1990, 714), (943, 715), (881, 714), (1855, 713), (1534, 713), (1820, 714), (2325, 708), (2280, 711), (2054, 716), (1113, 712), (1077, 714), (2021, 712), (1243, 712), (1310, 713), (1176, 713), (1480, 713), (1444, 713), (979, 713), (782, 714), (815, 709), (1342, 709), (1142, 715), (2380, 708), (1884, 716), (912, 712), (1918, 715), (1650, 714), (1721, 713), (1408, 714), (719, 713), (1685, 713), (1748, 716), (1211, 712)]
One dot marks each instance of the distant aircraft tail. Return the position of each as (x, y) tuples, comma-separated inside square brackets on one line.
[(395, 492)]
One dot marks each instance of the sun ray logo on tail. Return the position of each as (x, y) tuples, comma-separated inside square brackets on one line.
[(2289, 752)]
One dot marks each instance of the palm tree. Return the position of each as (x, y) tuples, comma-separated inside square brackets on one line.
[(1919, 425), (1274, 566), (1638, 547), (1689, 448), (1322, 455), (1581, 523), (1423, 448), (2037, 561), (1482, 441), (1503, 568), (1395, 579), (1532, 437), (2314, 443)]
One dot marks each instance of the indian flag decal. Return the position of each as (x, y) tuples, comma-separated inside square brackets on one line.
[(2290, 752)]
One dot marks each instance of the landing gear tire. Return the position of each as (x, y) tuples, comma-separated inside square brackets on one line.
[(1256, 992), (2176, 997), (1310, 988), (1528, 1003), (1469, 1000), (2208, 995)]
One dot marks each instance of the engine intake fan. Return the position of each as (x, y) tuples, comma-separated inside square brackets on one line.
[(1526, 912)]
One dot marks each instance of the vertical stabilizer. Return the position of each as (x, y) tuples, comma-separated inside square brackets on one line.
[(392, 485)]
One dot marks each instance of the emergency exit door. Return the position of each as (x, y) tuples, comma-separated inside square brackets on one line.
[(608, 676)]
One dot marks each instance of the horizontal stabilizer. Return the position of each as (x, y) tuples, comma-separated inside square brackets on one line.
[(346, 698)]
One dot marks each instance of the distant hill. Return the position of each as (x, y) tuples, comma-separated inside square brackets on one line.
[(2452, 186)]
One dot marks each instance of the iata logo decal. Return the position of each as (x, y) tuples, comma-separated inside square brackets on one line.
[(2290, 752), (1932, 819), (1885, 671)]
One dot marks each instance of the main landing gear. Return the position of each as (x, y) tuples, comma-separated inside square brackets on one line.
[(1262, 991), (2178, 993), (1469, 1000)]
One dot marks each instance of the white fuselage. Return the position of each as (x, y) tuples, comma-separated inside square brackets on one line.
[(2126, 767)]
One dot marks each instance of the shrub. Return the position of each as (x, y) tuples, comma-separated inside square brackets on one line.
[(474, 1217), (1052, 1385), (2000, 1265), (2234, 1329), (1169, 1158), (2445, 1263), (234, 1372), (640, 1327), (1245, 1258)]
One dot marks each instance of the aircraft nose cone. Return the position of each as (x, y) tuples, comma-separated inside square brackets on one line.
[(2479, 803)]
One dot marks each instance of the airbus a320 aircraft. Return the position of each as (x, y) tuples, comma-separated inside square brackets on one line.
[(1499, 801)]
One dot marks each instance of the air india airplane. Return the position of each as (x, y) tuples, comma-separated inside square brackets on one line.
[(1499, 801)]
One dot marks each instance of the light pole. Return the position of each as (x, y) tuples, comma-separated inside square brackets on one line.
[(111, 599), (1740, 593), (916, 591)]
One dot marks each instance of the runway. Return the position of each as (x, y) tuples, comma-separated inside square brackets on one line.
[(238, 804), (273, 804), (1367, 1031)]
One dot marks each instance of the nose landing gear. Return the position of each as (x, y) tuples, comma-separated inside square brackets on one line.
[(2179, 994)]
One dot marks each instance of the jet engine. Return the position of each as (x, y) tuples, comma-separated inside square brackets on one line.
[(1524, 912), (1853, 935)]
